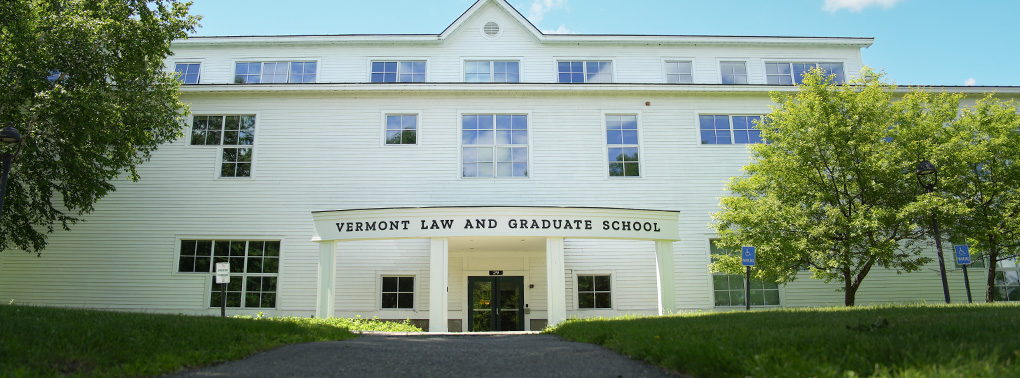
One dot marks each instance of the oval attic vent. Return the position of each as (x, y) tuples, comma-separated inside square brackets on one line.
[(491, 29)]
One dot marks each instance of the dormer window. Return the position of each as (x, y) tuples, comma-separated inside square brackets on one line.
[(399, 72), (274, 72)]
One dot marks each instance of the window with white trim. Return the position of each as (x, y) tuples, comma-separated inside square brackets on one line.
[(729, 129), (1007, 280), (679, 71), (397, 292), (729, 290), (412, 71), (492, 71), (254, 269), (401, 129), (600, 71), (187, 73), (788, 73), (594, 291), (234, 134), (274, 72), (494, 145), (622, 143), (733, 72)]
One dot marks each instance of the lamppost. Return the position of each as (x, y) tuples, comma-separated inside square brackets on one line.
[(9, 136), (928, 177)]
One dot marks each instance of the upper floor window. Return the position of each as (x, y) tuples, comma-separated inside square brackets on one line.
[(679, 72), (495, 71), (717, 129), (401, 129), (274, 72), (733, 72), (622, 142), (398, 72), (494, 145), (585, 71), (236, 136), (187, 73), (790, 73)]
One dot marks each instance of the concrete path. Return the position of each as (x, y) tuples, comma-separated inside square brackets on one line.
[(491, 355)]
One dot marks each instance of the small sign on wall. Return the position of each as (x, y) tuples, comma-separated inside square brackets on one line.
[(495, 272), (222, 272)]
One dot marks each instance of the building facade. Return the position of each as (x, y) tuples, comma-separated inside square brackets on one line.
[(490, 177)]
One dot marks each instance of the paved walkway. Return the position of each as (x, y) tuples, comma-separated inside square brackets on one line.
[(445, 355)]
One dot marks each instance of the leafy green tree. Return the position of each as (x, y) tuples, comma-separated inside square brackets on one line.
[(832, 191), (84, 82), (985, 180)]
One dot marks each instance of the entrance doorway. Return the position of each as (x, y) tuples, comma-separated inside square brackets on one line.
[(497, 303)]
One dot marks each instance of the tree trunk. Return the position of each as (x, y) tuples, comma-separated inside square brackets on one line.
[(849, 289), (993, 255)]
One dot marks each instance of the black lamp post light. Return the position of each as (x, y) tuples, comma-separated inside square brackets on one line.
[(9, 136), (928, 177)]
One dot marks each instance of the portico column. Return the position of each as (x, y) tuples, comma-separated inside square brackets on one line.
[(665, 276), (326, 286), (557, 296), (439, 271)]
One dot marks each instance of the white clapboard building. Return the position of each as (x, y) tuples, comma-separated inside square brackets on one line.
[(489, 177)]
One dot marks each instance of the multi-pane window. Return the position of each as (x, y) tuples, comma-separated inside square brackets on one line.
[(187, 73), (494, 145), (236, 136), (729, 288), (254, 269), (398, 292), (1007, 280), (790, 73), (495, 71), (274, 72), (585, 71), (622, 142), (594, 292), (398, 72), (679, 72), (729, 129), (401, 129), (733, 72)]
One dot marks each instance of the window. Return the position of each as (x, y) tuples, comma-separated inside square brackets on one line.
[(790, 73), (594, 292), (401, 129), (679, 72), (622, 141), (494, 145), (729, 289), (274, 72), (236, 136), (398, 72), (187, 73), (1007, 280), (254, 268), (398, 292), (585, 72), (715, 129), (733, 72), (495, 71)]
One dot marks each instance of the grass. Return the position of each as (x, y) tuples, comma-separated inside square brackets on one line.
[(889, 341), (41, 341)]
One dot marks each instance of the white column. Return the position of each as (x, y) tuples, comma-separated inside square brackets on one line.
[(555, 268), (665, 276), (326, 287), (439, 271)]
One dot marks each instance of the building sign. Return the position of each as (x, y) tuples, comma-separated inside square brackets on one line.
[(496, 221)]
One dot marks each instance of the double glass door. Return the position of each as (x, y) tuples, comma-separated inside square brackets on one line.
[(497, 303)]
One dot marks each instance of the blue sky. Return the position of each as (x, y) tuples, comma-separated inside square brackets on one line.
[(917, 42)]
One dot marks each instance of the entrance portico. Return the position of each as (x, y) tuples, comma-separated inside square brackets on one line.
[(491, 226)]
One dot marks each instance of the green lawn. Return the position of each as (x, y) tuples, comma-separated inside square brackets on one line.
[(41, 341), (893, 341)]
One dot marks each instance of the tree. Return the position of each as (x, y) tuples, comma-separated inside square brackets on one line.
[(84, 82), (985, 180), (832, 191)]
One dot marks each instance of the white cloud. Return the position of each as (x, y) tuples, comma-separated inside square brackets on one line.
[(540, 7), (970, 82), (856, 5), (560, 30)]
